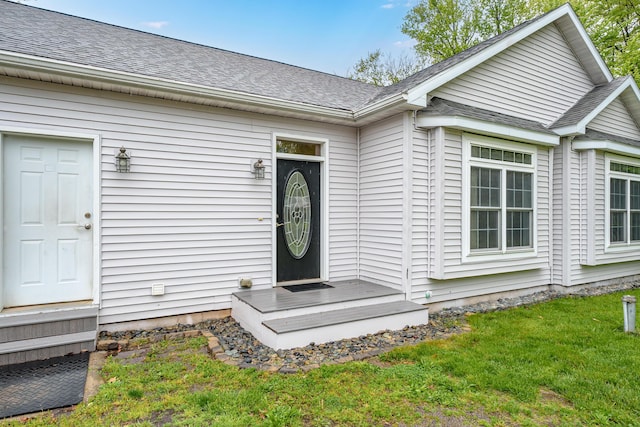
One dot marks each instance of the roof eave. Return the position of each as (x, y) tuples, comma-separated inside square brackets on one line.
[(386, 106), (488, 128), (171, 87), (606, 145)]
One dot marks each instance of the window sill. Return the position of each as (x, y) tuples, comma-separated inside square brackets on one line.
[(497, 256), (615, 248)]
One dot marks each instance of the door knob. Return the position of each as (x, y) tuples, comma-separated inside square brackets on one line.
[(87, 226)]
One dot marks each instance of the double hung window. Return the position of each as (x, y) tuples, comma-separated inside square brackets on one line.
[(624, 203), (501, 189)]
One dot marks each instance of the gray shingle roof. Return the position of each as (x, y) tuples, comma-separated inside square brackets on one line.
[(42, 33), (587, 104), (32, 31), (438, 107)]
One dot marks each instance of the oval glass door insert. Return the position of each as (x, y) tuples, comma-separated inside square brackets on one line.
[(296, 214)]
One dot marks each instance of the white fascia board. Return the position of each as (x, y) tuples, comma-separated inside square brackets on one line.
[(381, 105), (421, 90), (131, 80), (595, 54), (489, 129), (581, 127), (631, 98), (608, 146)]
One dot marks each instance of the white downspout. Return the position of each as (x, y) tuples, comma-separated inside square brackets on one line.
[(358, 203)]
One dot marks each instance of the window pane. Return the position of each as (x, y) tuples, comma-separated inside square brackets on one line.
[(519, 190), (485, 187), (634, 195), (519, 229), (617, 228), (635, 226), (475, 151), (294, 147), (484, 229), (618, 193)]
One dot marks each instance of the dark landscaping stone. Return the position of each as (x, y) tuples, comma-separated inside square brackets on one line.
[(230, 343)]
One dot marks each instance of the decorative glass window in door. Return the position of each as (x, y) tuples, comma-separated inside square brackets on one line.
[(296, 214)]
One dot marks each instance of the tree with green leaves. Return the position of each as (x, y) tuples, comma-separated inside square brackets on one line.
[(614, 27), (383, 70), (442, 28)]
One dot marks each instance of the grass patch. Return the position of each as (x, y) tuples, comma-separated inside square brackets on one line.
[(573, 349), (566, 362)]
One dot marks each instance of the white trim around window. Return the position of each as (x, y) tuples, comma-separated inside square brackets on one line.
[(494, 162), (626, 205)]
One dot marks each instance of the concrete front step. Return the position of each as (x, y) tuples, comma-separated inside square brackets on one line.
[(283, 319)]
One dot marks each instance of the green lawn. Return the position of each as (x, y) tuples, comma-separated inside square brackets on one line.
[(565, 362)]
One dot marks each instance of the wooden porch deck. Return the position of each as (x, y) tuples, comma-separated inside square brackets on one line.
[(281, 318), (279, 298), (41, 332)]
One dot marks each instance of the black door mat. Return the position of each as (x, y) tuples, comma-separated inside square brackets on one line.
[(41, 385), (307, 287)]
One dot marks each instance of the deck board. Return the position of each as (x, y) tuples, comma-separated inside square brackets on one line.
[(337, 317), (278, 299)]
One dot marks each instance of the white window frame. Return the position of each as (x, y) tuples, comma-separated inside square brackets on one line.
[(627, 245), (504, 253)]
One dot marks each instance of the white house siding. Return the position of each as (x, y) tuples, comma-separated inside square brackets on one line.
[(605, 264), (437, 216), (579, 222), (538, 78), (422, 195), (558, 226), (381, 201), (188, 213), (449, 256), (454, 290), (616, 120)]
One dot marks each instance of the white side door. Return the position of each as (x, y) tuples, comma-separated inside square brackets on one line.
[(47, 201)]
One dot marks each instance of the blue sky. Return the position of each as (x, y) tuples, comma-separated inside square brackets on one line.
[(324, 35)]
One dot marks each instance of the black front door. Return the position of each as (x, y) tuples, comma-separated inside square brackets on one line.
[(298, 220)]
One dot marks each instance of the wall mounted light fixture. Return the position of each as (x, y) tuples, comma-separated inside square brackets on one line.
[(123, 161), (257, 169)]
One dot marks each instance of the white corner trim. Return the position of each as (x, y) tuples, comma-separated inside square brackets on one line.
[(591, 208), (488, 128), (607, 145)]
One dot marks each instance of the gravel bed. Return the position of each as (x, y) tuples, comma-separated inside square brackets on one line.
[(242, 349)]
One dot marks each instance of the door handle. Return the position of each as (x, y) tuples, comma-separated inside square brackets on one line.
[(279, 224), (87, 226)]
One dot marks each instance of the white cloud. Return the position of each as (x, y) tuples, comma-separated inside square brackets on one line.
[(405, 43), (156, 24), (391, 4)]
